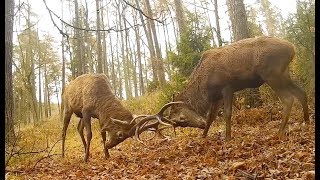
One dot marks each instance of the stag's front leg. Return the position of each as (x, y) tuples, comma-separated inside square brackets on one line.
[(106, 151), (212, 116), (87, 124), (66, 121), (227, 97)]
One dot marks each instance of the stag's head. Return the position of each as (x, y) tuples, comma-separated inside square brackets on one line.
[(185, 116), (118, 131), (121, 130)]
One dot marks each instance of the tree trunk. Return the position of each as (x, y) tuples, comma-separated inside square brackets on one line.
[(31, 75), (79, 51), (238, 19), (99, 53), (9, 118), (113, 73), (159, 61), (180, 16), (240, 31), (39, 78), (125, 58), (63, 67), (216, 13), (150, 47), (141, 85), (104, 44)]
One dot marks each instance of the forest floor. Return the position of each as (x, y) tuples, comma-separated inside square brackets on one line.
[(255, 152)]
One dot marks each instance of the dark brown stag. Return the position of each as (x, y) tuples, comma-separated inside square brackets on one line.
[(248, 63), (90, 96)]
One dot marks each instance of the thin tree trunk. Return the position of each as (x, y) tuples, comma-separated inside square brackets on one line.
[(31, 75), (99, 53), (159, 61), (9, 117), (63, 66), (137, 34), (104, 44), (125, 58), (150, 47), (79, 51), (216, 13), (180, 16), (39, 78), (113, 73)]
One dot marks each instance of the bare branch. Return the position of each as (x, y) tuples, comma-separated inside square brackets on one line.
[(80, 28), (144, 14)]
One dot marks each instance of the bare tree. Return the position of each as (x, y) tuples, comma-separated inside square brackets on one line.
[(216, 13), (9, 118), (238, 17), (159, 60), (150, 47), (99, 53)]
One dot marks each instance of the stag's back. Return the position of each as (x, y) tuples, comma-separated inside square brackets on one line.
[(246, 57), (92, 90)]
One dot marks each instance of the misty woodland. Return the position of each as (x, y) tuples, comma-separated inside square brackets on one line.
[(168, 89)]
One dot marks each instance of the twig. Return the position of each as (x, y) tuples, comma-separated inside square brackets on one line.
[(48, 155), (247, 175), (80, 28), (144, 14), (13, 171)]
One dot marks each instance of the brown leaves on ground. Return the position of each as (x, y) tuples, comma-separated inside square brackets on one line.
[(255, 152)]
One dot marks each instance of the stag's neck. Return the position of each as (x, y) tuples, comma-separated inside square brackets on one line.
[(195, 94), (114, 109)]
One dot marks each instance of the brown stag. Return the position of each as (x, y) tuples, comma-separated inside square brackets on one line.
[(247, 63), (90, 96)]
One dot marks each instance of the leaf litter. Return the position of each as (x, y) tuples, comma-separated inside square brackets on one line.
[(254, 152)]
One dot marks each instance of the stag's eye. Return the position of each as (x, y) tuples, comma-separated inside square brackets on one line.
[(120, 135)]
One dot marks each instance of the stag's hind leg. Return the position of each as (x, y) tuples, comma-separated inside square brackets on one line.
[(281, 85), (227, 102), (302, 98), (80, 131), (86, 120), (66, 121)]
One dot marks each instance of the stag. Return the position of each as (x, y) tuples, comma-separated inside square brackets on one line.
[(247, 63), (90, 96)]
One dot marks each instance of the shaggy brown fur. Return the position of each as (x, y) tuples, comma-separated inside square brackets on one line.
[(90, 95), (244, 64)]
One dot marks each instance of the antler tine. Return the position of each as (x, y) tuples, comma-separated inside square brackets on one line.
[(134, 119), (166, 106)]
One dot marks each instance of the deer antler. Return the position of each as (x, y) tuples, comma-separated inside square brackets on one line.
[(140, 126)]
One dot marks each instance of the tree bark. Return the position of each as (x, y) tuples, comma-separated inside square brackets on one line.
[(159, 60), (238, 19), (9, 118), (137, 34), (216, 13), (150, 47), (180, 16), (99, 53)]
